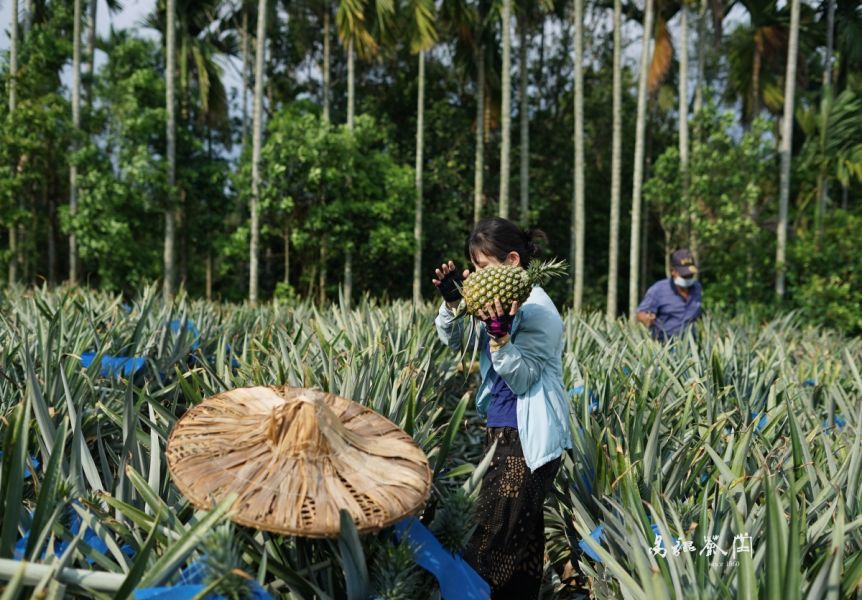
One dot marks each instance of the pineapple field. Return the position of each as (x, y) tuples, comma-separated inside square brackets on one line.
[(727, 465)]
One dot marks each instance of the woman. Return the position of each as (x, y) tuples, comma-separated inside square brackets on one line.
[(522, 398)]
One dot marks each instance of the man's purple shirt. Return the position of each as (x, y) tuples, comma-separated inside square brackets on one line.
[(673, 313)]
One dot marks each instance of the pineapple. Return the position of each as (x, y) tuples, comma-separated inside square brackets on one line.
[(507, 283)]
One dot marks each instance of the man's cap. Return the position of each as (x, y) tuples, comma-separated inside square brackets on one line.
[(683, 261)]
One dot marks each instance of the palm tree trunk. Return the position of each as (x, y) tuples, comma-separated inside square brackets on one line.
[(170, 212), (245, 67), (637, 179), (578, 209), (76, 126), (351, 91), (91, 49), (286, 238), (417, 224), (324, 244), (826, 108), (506, 109), (479, 167), (683, 117), (209, 276), (13, 100), (616, 165), (327, 45), (524, 114), (351, 111), (786, 148), (30, 9), (257, 134), (48, 201), (756, 66), (701, 57)]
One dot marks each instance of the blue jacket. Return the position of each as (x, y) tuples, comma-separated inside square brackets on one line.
[(531, 364)]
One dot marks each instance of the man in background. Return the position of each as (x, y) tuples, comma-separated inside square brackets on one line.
[(671, 305)]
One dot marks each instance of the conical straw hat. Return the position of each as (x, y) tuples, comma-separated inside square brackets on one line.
[(295, 457)]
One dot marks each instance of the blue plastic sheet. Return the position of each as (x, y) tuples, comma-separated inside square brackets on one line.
[(594, 399), (596, 535), (457, 579), (191, 583), (33, 460), (128, 366), (837, 421), (761, 423), (191, 328), (90, 538), (115, 366)]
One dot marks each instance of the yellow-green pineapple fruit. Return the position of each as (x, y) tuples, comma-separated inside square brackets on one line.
[(506, 283)]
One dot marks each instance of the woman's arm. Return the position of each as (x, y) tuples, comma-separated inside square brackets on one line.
[(449, 327), (521, 360)]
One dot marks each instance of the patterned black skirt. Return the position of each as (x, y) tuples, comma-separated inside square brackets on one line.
[(508, 547)]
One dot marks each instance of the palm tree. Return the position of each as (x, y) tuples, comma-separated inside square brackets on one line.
[(13, 100), (616, 164), (353, 31), (170, 101), (355, 35), (245, 67), (578, 208), (423, 36), (683, 120), (786, 147), (701, 57), (479, 162), (327, 51), (826, 106), (93, 9), (76, 125), (257, 134), (524, 115), (756, 54), (637, 179), (506, 108)]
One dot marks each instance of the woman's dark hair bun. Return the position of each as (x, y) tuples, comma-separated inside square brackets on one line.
[(497, 237), (532, 241)]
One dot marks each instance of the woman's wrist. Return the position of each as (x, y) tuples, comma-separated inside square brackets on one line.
[(497, 343)]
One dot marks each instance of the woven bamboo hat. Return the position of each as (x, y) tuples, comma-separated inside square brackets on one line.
[(295, 457)]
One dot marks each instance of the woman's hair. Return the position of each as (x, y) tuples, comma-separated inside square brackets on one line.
[(497, 237)]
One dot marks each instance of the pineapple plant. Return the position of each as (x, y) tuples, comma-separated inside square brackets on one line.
[(508, 283)]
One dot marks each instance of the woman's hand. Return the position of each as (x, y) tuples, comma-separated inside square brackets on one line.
[(498, 322), (444, 270), (446, 281), (496, 310)]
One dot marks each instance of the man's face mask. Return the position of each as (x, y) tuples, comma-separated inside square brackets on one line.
[(683, 282)]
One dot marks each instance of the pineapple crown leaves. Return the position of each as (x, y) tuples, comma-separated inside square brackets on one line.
[(393, 571), (453, 522), (222, 562), (541, 272)]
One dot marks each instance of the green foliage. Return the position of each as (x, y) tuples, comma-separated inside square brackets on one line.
[(727, 208), (827, 274), (454, 520), (223, 558), (326, 182), (394, 574), (679, 420)]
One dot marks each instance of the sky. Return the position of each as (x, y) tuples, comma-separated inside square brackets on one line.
[(132, 15)]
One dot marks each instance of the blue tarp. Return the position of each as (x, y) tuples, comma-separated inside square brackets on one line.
[(597, 533), (90, 538), (128, 366), (191, 583), (594, 399), (457, 579)]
